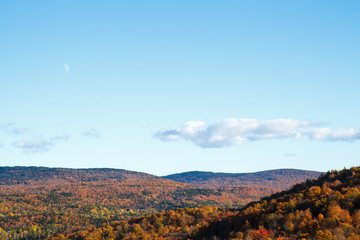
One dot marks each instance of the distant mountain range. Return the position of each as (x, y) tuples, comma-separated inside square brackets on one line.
[(57, 199), (246, 186), (279, 179), (324, 208), (115, 187)]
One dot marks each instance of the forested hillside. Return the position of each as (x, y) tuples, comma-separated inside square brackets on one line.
[(247, 186), (326, 208), (47, 203), (41, 202), (44, 175), (279, 179)]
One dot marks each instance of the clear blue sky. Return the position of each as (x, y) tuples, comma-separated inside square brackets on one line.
[(172, 86)]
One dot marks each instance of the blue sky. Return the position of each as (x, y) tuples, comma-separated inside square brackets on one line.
[(172, 86)]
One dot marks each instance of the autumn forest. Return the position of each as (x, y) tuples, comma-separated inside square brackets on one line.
[(55, 203)]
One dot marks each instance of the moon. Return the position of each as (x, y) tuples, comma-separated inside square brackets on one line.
[(66, 67)]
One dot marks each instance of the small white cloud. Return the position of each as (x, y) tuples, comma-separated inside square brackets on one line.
[(234, 131), (5, 126), (33, 146), (39, 145), (63, 137), (19, 130), (66, 67), (91, 133), (11, 128)]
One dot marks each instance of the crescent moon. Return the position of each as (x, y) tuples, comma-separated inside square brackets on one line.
[(66, 67)]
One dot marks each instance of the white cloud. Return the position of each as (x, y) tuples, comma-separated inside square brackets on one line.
[(39, 144), (66, 67), (239, 131), (10, 128), (326, 134), (188, 131), (34, 144), (19, 130), (92, 133), (63, 137)]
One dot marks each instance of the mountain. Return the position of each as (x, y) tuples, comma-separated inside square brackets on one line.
[(44, 175), (39, 202), (279, 179), (59, 203), (324, 208), (247, 186)]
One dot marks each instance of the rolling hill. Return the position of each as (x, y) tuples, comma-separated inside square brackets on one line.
[(40, 203), (247, 186), (54, 200), (279, 179), (324, 208)]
